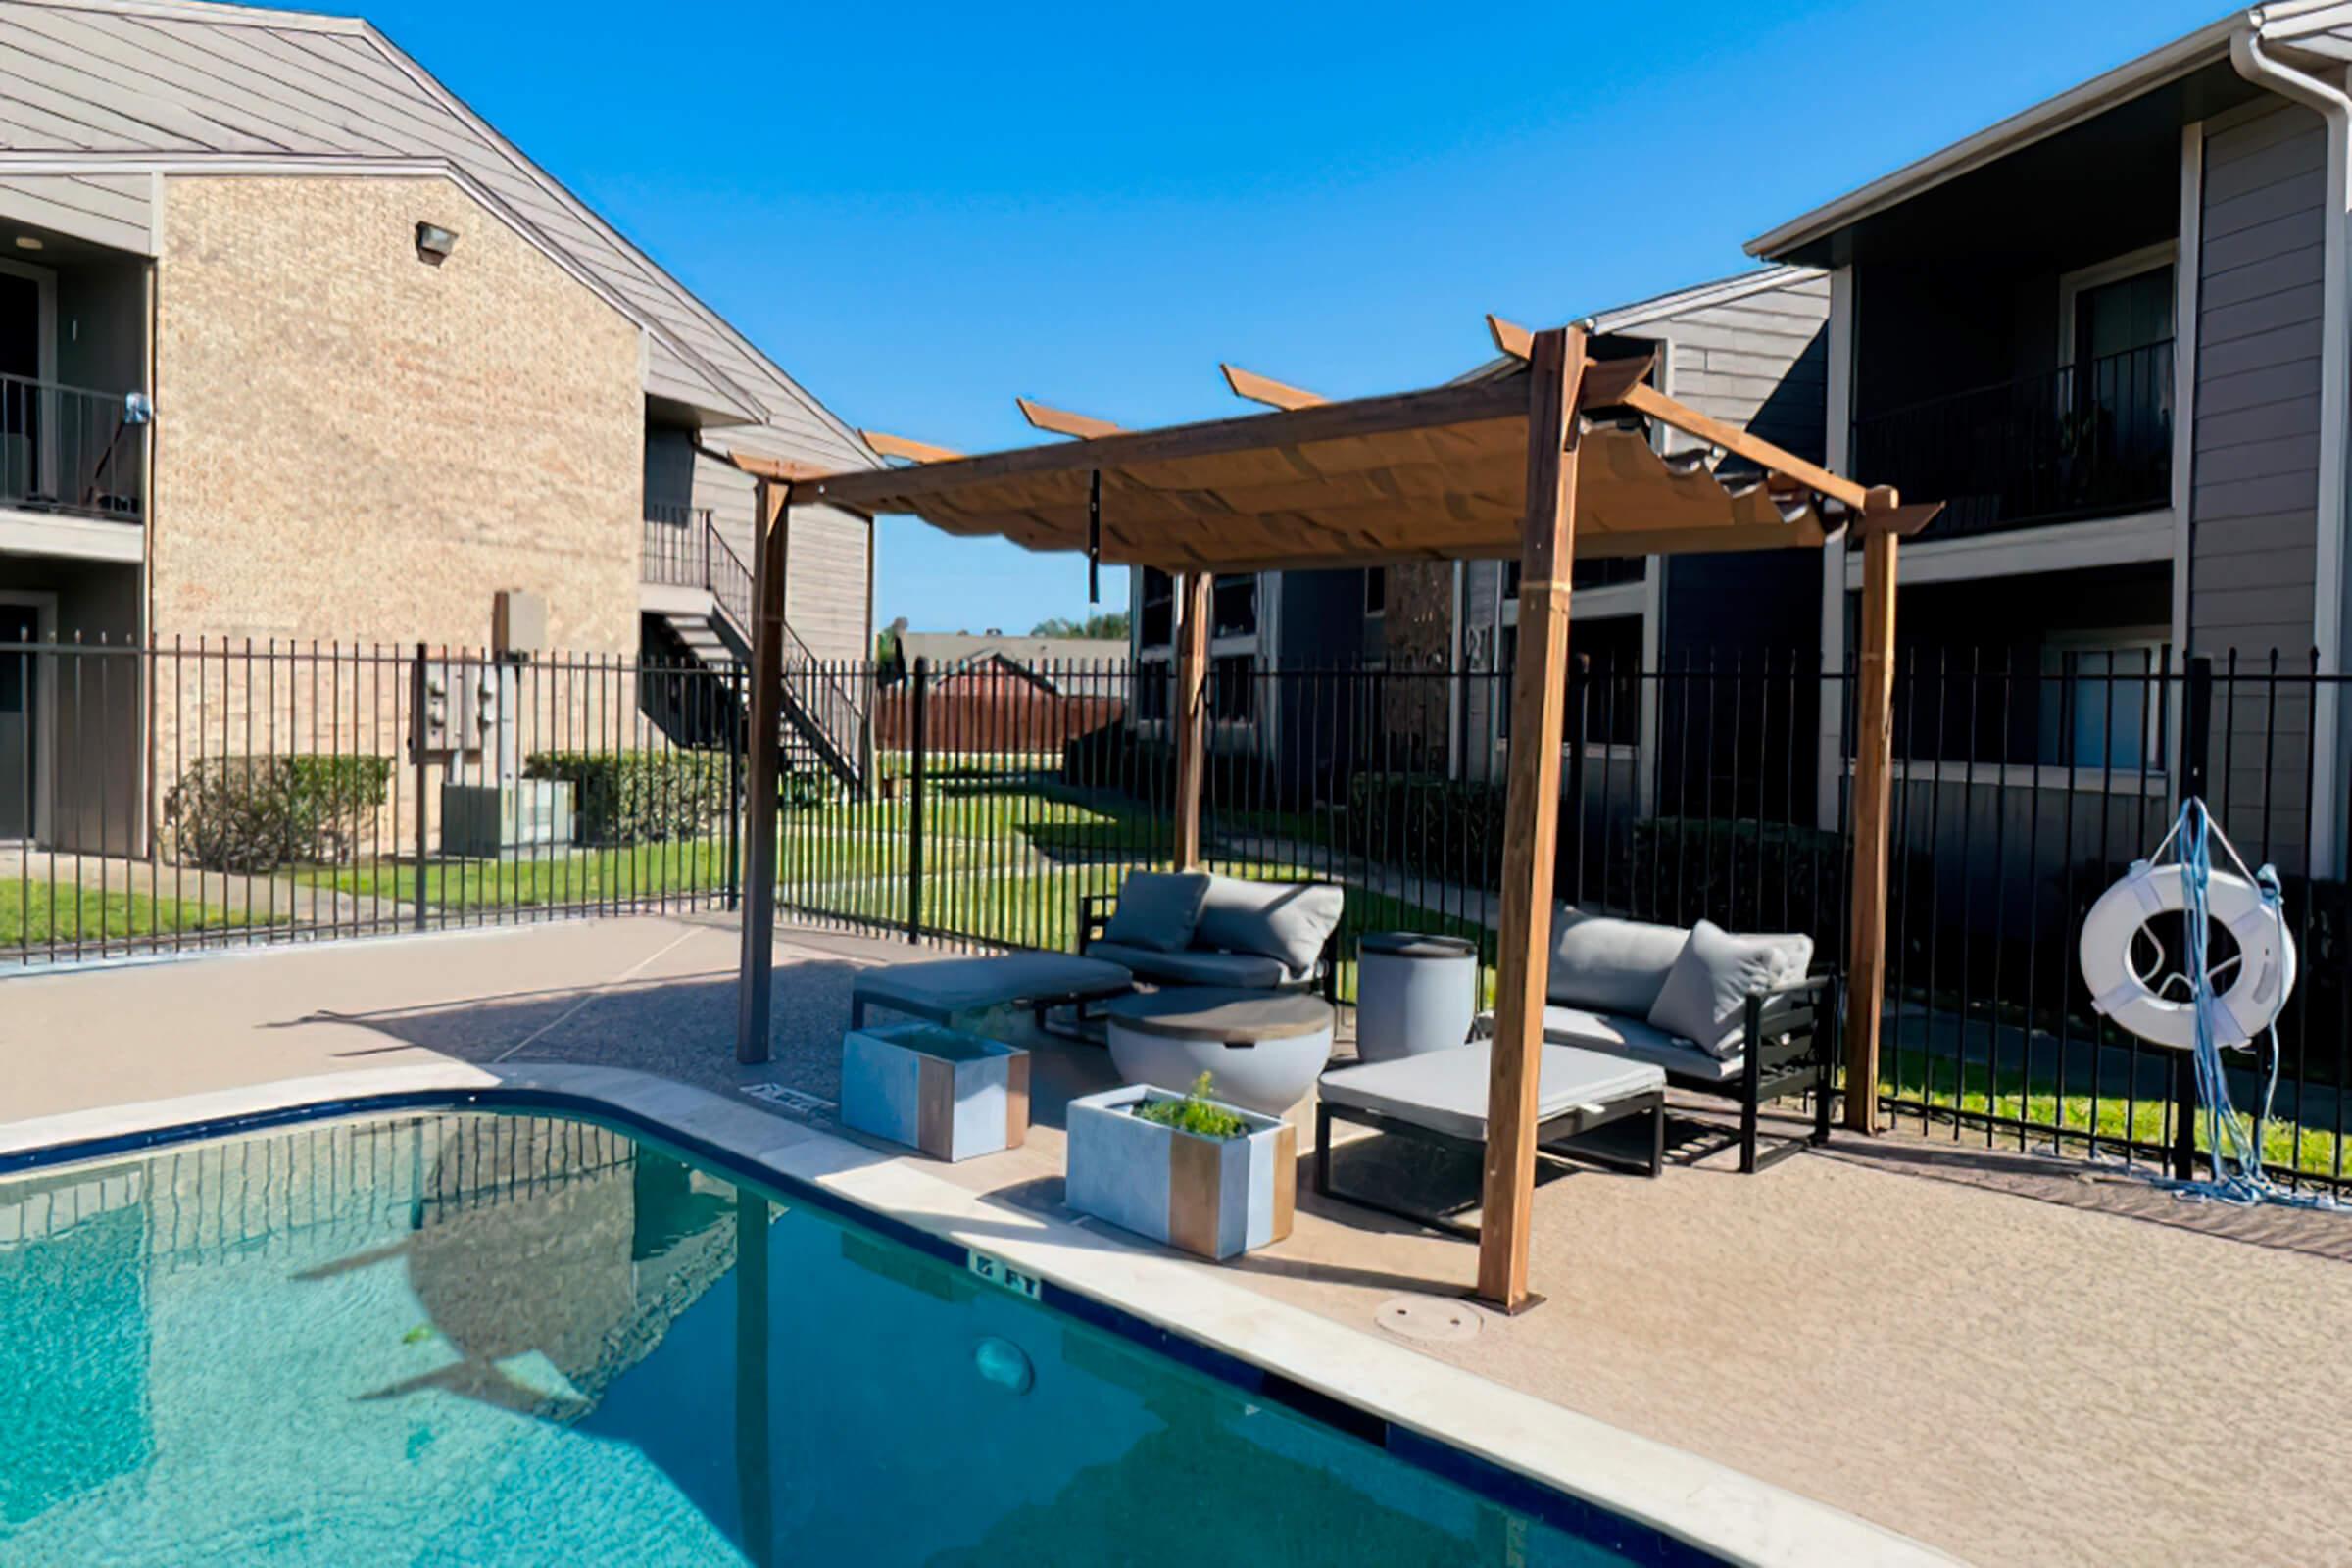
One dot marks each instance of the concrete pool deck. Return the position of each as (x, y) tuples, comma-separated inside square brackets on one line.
[(2011, 1361)]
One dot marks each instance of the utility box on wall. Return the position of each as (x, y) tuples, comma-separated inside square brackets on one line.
[(518, 623), (482, 821)]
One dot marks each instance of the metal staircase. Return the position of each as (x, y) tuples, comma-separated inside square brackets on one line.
[(824, 724)]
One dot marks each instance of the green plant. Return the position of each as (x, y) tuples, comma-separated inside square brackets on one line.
[(639, 797), (256, 813), (1194, 1114)]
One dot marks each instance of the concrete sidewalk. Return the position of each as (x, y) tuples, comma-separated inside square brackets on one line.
[(2016, 1362)]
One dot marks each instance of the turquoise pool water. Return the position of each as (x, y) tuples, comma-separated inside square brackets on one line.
[(467, 1336)]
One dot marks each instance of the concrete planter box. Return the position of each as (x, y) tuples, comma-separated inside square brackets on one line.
[(1216, 1198), (946, 1093)]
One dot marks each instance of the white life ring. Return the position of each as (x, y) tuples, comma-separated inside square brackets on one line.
[(2265, 974)]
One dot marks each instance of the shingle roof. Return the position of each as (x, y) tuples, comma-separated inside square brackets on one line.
[(106, 84)]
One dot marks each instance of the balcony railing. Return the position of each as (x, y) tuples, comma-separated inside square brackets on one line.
[(2083, 441), (72, 450)]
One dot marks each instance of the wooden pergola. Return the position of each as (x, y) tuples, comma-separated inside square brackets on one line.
[(1558, 462)]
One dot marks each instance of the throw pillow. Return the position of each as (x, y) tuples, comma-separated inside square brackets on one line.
[(1609, 965), (1158, 909), (1706, 993)]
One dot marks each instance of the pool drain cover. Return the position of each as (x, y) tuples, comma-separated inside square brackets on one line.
[(1428, 1318)]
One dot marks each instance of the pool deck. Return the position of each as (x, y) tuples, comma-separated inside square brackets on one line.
[(2008, 1358)]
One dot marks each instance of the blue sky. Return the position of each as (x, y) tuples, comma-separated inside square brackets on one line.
[(920, 210)]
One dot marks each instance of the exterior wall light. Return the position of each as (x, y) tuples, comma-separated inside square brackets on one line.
[(28, 242), (434, 243)]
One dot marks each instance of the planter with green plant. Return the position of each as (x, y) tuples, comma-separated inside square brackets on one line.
[(1188, 1170)]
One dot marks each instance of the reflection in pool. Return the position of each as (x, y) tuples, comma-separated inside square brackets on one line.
[(469, 1337)]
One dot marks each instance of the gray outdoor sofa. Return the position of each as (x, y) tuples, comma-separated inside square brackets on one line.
[(1192, 928), (1738, 1017)]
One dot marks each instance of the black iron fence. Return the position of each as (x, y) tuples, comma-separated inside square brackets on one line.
[(189, 797), (177, 797)]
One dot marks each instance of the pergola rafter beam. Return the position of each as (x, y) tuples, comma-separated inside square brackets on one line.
[(1061, 422), (899, 446), (1266, 389)]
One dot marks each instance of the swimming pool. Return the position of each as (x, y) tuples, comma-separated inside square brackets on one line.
[(472, 1336)]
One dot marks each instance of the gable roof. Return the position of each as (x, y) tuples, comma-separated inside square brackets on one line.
[(97, 86), (1665, 307), (954, 650)]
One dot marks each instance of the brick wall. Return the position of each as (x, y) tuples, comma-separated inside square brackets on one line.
[(353, 445), (1419, 640)]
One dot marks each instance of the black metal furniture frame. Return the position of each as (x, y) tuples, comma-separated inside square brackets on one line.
[(1789, 1047), (1574, 1122)]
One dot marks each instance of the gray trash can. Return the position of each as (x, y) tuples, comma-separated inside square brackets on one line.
[(1413, 994)]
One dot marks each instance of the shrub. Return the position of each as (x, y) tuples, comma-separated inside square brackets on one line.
[(639, 797), (1441, 828), (1195, 1113), (256, 813)]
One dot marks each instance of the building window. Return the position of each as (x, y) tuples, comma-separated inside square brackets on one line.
[(1376, 592), (1232, 689), (1605, 692), (1159, 623), (2104, 706), (1152, 683), (1232, 605)]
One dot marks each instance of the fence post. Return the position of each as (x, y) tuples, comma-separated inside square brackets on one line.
[(416, 739), (2196, 728), (2196, 751), (737, 741), (918, 724)]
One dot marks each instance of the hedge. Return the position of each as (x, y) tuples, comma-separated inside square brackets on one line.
[(256, 813), (639, 797)]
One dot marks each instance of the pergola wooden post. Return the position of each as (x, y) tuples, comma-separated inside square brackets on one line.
[(1531, 814), (1191, 716), (1874, 769), (760, 801)]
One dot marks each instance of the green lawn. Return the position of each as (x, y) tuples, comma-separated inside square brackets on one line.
[(578, 876), (2112, 1116), (41, 914)]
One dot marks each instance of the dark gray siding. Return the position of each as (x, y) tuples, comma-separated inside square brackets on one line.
[(2255, 496), (2257, 448)]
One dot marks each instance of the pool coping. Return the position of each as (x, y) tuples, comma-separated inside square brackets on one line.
[(1456, 1423)]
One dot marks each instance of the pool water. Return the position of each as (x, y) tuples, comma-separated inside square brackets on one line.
[(467, 1336)]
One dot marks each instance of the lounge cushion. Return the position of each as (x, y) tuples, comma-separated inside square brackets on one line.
[(1158, 909), (1635, 1040), (1286, 921), (1608, 964), (955, 985), (1196, 967), (1707, 991), (1446, 1091)]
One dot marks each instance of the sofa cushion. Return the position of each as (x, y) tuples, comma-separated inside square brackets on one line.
[(1446, 1091), (1285, 920), (1196, 966), (1635, 1040), (1158, 909), (1707, 994), (1608, 964)]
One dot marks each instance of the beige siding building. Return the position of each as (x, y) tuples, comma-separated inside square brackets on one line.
[(295, 348)]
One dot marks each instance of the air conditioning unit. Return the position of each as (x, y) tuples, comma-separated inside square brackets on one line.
[(483, 821)]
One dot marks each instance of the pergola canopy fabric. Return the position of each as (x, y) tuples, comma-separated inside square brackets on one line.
[(1432, 475)]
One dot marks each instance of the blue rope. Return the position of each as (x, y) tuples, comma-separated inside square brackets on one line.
[(2234, 1148)]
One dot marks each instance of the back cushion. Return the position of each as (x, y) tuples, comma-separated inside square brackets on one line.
[(1158, 909), (1286, 921), (1610, 965)]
